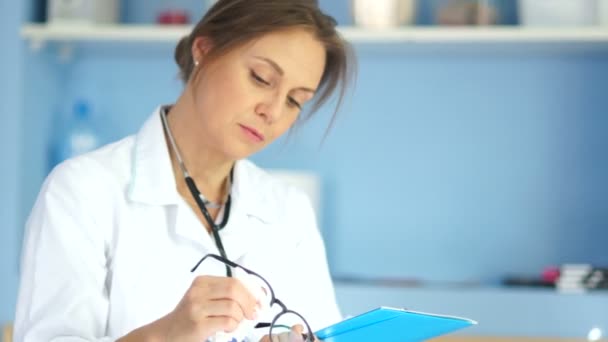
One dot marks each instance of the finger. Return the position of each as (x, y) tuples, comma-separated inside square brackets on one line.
[(283, 337), (267, 338), (295, 337), (237, 291), (298, 328), (228, 288), (280, 337), (298, 333), (222, 307), (221, 323)]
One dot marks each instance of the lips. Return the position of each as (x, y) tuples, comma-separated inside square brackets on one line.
[(253, 133)]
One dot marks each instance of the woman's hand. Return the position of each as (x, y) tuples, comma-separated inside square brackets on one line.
[(295, 335), (210, 305)]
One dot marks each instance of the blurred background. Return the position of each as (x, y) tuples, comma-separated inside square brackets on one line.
[(466, 174)]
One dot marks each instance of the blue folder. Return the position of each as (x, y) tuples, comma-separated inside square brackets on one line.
[(392, 325)]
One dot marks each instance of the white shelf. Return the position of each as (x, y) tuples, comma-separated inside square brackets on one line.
[(115, 33), (40, 33), (510, 34)]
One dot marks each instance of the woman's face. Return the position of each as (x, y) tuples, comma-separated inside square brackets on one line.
[(246, 99)]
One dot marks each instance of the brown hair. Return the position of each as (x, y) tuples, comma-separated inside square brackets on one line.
[(232, 23)]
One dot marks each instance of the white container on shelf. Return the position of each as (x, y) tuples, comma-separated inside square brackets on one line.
[(558, 12), (379, 14), (602, 12), (83, 11)]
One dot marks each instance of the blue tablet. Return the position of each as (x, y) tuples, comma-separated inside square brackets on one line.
[(392, 325)]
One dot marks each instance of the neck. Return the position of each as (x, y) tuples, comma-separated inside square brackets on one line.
[(208, 168)]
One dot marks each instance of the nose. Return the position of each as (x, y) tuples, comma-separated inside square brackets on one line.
[(270, 108)]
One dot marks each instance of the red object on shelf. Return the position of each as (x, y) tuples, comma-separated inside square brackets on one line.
[(551, 274), (173, 17)]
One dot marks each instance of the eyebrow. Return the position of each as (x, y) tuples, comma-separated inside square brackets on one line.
[(275, 66)]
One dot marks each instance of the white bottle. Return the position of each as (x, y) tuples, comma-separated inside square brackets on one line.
[(557, 13), (83, 12), (78, 135), (602, 12)]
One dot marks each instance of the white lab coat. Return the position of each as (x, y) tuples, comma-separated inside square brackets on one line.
[(110, 243)]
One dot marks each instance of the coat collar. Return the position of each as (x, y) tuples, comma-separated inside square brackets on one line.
[(153, 181)]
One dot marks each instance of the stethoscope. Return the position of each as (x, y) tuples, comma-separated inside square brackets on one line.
[(201, 201)]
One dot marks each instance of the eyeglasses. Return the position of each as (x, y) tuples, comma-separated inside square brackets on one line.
[(309, 337)]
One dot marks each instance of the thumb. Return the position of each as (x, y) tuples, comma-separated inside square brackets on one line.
[(296, 333), (298, 328)]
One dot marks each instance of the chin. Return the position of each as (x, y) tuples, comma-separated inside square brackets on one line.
[(241, 152)]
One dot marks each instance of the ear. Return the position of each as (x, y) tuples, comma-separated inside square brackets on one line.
[(200, 48)]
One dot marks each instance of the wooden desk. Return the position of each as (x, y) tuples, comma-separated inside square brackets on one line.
[(504, 339), (7, 333)]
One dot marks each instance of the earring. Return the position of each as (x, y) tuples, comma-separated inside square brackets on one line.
[(195, 63)]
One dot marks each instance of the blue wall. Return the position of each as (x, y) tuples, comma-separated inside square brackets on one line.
[(11, 88), (446, 164)]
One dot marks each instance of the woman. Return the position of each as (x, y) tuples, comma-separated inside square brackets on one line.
[(114, 234)]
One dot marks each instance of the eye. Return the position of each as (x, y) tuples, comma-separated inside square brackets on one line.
[(258, 79), (293, 102)]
